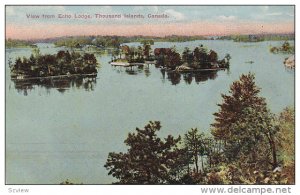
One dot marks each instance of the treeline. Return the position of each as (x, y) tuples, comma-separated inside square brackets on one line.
[(116, 41), (12, 43), (248, 145), (258, 38), (62, 63), (198, 58)]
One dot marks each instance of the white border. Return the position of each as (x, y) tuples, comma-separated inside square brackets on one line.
[(105, 189)]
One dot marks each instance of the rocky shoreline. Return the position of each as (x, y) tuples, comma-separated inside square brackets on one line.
[(290, 62)]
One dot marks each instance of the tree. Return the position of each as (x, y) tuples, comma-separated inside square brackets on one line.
[(187, 56), (132, 53), (212, 56), (149, 159), (36, 52), (227, 57), (243, 94), (140, 53), (286, 142), (194, 142), (173, 59), (254, 129), (147, 47), (286, 46), (244, 123), (201, 56), (286, 131)]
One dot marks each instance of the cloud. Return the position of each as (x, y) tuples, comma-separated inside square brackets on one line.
[(226, 18), (174, 14)]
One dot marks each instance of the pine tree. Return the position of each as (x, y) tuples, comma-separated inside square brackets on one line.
[(246, 126), (243, 94), (195, 144)]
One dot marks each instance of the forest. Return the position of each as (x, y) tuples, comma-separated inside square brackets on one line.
[(247, 144)]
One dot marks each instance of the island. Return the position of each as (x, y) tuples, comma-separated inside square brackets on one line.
[(191, 60), (257, 37), (61, 64), (11, 43), (290, 62), (285, 48), (198, 59)]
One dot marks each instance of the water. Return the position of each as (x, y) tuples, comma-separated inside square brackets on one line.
[(65, 129)]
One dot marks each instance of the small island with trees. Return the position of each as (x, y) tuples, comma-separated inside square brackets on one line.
[(191, 60), (285, 48), (61, 64)]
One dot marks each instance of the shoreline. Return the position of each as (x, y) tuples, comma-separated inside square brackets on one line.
[(127, 64), (53, 77), (198, 70)]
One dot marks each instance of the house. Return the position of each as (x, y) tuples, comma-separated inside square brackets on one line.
[(164, 51)]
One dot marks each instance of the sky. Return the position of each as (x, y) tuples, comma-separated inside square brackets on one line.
[(180, 20)]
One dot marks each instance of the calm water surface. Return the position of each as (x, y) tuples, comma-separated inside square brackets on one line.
[(65, 129)]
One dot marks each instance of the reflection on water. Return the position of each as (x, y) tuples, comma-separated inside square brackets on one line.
[(132, 70), (173, 76), (61, 84)]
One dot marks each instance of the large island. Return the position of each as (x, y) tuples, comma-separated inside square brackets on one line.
[(61, 64)]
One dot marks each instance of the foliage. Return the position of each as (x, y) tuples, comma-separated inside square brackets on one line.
[(243, 94), (233, 174), (62, 63), (286, 142), (116, 41), (244, 123), (258, 38), (195, 144), (286, 47), (149, 159), (199, 58), (11, 43), (68, 182)]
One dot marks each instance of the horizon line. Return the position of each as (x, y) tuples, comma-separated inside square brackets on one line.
[(150, 36)]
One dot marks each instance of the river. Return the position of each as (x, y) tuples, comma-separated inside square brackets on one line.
[(65, 129)]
